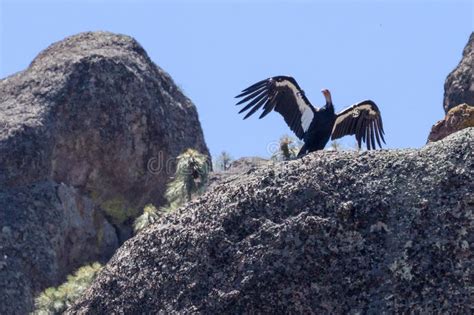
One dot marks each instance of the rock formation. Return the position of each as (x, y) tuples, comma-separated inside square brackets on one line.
[(459, 85), (458, 97), (459, 117), (88, 135), (239, 166), (374, 232)]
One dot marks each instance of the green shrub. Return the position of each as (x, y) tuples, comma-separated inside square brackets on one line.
[(190, 178), (57, 300), (117, 210), (150, 215)]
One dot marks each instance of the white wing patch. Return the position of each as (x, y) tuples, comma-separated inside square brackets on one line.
[(372, 113), (307, 114), (307, 118), (355, 111)]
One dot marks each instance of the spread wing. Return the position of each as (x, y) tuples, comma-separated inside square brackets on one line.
[(282, 94), (362, 120)]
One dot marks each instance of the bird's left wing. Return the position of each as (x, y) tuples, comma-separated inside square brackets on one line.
[(282, 94), (362, 120)]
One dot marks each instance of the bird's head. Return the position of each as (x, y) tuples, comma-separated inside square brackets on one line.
[(327, 96)]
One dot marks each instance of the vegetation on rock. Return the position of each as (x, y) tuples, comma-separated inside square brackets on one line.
[(190, 178), (288, 149), (117, 210), (56, 300), (223, 161), (336, 146), (150, 215)]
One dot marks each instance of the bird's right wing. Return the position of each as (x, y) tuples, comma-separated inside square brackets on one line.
[(362, 120), (282, 94)]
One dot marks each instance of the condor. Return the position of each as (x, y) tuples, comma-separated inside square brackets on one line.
[(313, 125)]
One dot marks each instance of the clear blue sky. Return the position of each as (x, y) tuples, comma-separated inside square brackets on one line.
[(397, 53)]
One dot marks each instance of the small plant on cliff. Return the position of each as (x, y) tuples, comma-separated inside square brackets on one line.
[(288, 149), (336, 146), (57, 300), (223, 161), (150, 215), (190, 178), (356, 147)]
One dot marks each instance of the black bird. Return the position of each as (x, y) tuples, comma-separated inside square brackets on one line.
[(313, 125)]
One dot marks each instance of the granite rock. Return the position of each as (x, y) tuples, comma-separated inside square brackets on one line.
[(89, 133), (459, 85), (386, 231)]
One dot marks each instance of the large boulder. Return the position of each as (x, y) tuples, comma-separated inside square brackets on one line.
[(459, 85), (386, 231), (88, 135)]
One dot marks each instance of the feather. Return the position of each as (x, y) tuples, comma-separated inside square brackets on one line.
[(253, 102), (358, 128), (372, 136), (367, 136), (377, 133), (267, 109), (256, 85), (379, 121), (380, 124), (254, 94), (254, 109)]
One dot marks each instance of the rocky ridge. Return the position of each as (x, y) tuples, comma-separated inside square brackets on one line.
[(386, 231)]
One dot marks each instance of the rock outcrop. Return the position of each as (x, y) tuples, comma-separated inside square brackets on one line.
[(374, 232), (458, 97), (88, 135), (458, 118), (239, 166), (246, 164), (459, 85)]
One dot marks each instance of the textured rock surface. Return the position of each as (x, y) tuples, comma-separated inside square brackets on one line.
[(46, 230), (459, 85), (458, 118), (239, 166), (331, 233), (458, 97), (88, 135)]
